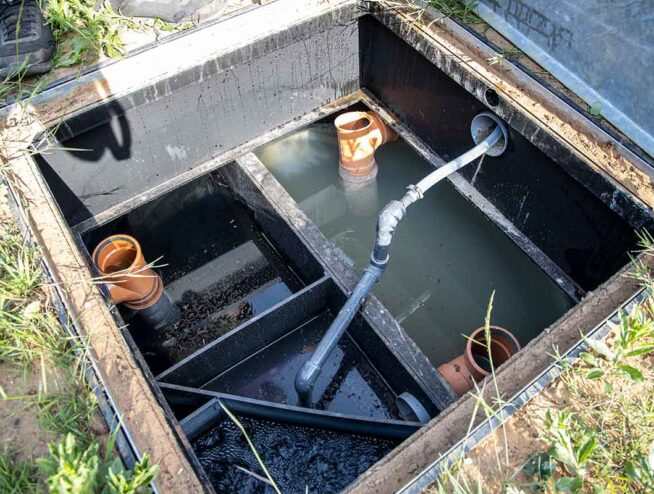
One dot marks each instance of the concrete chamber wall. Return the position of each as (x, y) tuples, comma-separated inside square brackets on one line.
[(126, 155), (139, 141)]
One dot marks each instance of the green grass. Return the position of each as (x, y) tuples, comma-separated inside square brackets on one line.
[(68, 412), (82, 33), (464, 11), (28, 331), (19, 272), (32, 337), (16, 475)]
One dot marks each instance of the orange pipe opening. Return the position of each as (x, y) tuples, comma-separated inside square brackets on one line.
[(462, 372), (359, 135), (120, 261)]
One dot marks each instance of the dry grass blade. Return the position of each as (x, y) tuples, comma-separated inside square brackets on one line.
[(252, 447)]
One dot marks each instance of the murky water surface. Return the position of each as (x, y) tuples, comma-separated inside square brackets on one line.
[(446, 256), (300, 459)]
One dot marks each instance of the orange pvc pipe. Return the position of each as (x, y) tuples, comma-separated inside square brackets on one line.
[(359, 135), (120, 262), (462, 372)]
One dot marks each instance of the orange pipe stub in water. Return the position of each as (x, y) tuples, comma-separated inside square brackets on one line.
[(120, 261), (359, 135), (462, 372)]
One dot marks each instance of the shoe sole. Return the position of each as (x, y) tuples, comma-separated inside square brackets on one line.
[(39, 62)]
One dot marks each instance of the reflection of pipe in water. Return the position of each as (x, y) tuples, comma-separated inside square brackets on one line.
[(361, 197), (296, 154)]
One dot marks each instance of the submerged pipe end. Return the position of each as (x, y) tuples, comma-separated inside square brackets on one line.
[(483, 125)]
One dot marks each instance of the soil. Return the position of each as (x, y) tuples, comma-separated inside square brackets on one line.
[(19, 427)]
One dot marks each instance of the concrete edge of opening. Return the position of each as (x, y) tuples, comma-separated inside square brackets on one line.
[(137, 402)]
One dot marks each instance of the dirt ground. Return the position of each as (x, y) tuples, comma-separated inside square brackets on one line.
[(19, 425)]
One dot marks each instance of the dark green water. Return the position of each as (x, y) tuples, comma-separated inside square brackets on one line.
[(446, 256)]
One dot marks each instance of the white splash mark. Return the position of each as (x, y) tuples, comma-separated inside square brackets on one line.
[(474, 177), (522, 203), (176, 152)]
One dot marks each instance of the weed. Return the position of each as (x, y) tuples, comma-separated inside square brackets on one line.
[(159, 26), (633, 339), (69, 468), (83, 33), (17, 476), (73, 469), (505, 54), (573, 445), (464, 11)]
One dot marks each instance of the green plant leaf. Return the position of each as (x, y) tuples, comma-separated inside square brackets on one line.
[(641, 350), (589, 358), (586, 450), (601, 348), (632, 471), (539, 465), (569, 484), (596, 109), (632, 372), (562, 454), (594, 374)]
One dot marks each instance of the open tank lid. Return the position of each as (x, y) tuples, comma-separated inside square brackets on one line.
[(603, 50)]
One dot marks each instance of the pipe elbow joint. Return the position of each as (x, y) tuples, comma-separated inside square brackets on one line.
[(388, 220), (306, 378), (359, 135)]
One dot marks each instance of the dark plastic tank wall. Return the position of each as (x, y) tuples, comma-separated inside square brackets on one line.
[(139, 141), (574, 228)]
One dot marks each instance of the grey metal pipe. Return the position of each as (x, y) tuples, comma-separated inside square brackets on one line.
[(387, 222), (308, 374)]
